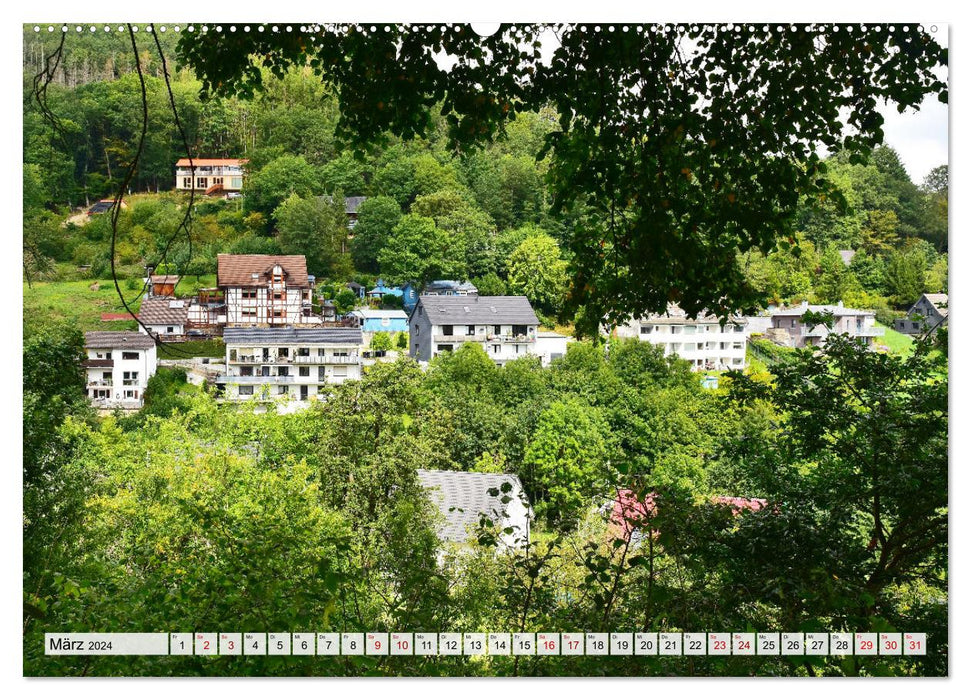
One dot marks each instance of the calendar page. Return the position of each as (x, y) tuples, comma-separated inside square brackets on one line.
[(359, 348)]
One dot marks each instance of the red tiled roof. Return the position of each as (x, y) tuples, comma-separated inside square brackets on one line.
[(206, 162), (238, 270), (630, 513)]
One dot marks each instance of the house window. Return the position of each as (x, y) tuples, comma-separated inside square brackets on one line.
[(497, 330), (246, 371), (201, 182), (249, 293), (304, 371), (278, 313), (130, 379), (187, 183), (282, 389), (170, 329), (470, 330), (690, 329), (131, 394), (277, 295), (106, 377), (245, 391), (217, 181), (283, 352), (792, 323), (676, 330), (519, 330), (445, 348), (495, 349), (340, 371), (130, 355), (447, 330), (645, 330), (249, 313), (283, 372)]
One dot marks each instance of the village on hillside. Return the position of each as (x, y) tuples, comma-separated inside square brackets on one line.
[(389, 354)]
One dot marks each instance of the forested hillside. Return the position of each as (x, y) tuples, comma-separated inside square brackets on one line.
[(432, 211)]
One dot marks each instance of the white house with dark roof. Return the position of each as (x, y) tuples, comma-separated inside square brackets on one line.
[(464, 498), (506, 327), (704, 341), (118, 367), (857, 323), (266, 290), (165, 318), (928, 314), (269, 363)]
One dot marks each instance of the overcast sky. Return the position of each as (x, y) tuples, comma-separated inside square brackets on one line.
[(920, 137)]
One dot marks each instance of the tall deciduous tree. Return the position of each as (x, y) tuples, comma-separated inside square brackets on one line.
[(537, 270), (317, 228)]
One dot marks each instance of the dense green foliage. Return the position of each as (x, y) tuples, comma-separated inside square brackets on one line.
[(196, 515)]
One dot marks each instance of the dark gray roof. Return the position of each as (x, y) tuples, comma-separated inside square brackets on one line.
[(462, 496), (128, 340), (351, 204), (292, 335), (164, 311), (468, 309), (439, 286)]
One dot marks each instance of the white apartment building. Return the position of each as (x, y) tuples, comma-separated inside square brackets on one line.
[(271, 363), (118, 367), (506, 327), (266, 290), (789, 329), (703, 341)]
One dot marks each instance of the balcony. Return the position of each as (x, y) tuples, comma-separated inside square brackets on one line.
[(256, 379), (458, 339), (100, 383), (128, 404), (504, 338), (98, 364)]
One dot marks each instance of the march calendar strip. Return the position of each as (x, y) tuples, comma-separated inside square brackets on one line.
[(396, 644)]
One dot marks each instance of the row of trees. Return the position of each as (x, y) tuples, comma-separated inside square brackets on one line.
[(198, 516)]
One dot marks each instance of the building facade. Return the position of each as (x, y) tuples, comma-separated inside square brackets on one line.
[(271, 363), (928, 314), (704, 341), (376, 320), (209, 175), (118, 367), (266, 290), (789, 329), (506, 327)]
